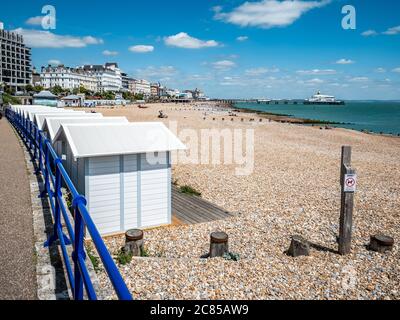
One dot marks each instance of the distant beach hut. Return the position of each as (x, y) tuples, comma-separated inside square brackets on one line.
[(124, 171), (45, 98), (72, 101)]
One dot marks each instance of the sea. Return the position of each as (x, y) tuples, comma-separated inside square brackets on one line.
[(373, 116)]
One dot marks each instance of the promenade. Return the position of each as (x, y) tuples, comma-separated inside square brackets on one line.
[(17, 257)]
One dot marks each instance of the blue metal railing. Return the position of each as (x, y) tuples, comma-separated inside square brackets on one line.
[(55, 176)]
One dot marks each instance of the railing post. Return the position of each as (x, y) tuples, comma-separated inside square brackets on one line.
[(40, 168), (348, 180), (57, 229), (46, 172), (79, 250), (35, 142)]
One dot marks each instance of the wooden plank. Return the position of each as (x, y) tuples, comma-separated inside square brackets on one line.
[(199, 210), (214, 210), (192, 210), (201, 201)]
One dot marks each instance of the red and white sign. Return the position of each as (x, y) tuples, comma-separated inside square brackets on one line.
[(350, 183)]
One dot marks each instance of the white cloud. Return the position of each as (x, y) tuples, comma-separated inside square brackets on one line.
[(156, 72), (242, 38), (345, 61), (269, 13), (34, 21), (392, 31), (47, 39), (110, 53), (317, 72), (380, 70), (224, 65), (369, 33), (359, 79), (183, 40), (141, 48), (396, 70), (54, 62), (217, 9), (315, 81), (260, 71)]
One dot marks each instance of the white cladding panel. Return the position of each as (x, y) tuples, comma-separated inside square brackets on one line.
[(130, 183), (154, 185), (127, 192), (104, 193)]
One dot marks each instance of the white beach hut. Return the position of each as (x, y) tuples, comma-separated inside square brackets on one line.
[(123, 170), (41, 117), (52, 125), (31, 113)]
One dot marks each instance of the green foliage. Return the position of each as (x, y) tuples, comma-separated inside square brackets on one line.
[(37, 89), (57, 90), (139, 96), (94, 259), (124, 258), (9, 99), (128, 96), (144, 253), (231, 256), (28, 88), (108, 95), (68, 199), (190, 191)]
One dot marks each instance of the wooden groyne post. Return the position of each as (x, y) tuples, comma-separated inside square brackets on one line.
[(348, 180)]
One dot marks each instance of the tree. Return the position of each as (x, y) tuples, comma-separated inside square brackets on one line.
[(139, 96), (83, 90), (57, 90), (109, 95), (37, 89), (29, 88)]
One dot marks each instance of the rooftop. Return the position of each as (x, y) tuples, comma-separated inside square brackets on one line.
[(96, 140)]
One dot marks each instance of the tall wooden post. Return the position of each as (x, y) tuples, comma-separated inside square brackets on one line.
[(348, 179)]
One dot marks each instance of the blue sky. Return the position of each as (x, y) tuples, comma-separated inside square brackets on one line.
[(229, 48)]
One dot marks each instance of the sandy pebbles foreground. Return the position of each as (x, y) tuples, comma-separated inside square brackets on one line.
[(294, 190)]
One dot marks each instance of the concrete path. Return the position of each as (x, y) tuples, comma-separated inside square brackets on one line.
[(17, 253)]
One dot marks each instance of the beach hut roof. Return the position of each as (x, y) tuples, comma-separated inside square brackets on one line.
[(53, 125), (72, 97), (41, 117), (44, 94), (32, 113), (97, 140)]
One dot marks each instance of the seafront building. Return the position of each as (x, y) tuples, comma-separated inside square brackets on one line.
[(67, 78), (155, 89), (142, 87), (109, 76), (15, 60)]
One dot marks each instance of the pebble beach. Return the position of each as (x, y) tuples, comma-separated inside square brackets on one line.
[(294, 190)]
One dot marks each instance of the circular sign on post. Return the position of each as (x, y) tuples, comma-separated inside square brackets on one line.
[(350, 183)]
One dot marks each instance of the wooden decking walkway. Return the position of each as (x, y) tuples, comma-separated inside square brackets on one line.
[(190, 210)]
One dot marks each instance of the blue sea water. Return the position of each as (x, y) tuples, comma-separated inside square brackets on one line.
[(374, 116)]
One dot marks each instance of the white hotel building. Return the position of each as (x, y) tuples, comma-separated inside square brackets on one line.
[(92, 77), (142, 87), (109, 77), (67, 78)]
